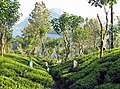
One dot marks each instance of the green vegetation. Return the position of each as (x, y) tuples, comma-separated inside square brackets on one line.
[(9, 15), (15, 73), (91, 73), (85, 40)]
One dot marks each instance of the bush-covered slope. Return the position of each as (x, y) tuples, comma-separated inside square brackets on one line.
[(15, 73), (91, 73)]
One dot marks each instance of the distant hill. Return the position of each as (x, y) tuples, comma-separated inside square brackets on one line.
[(55, 13), (18, 27)]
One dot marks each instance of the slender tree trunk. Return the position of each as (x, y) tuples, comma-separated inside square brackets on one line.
[(112, 45), (80, 49), (106, 27), (2, 42), (101, 37), (108, 41), (67, 46), (43, 49), (67, 51), (101, 49)]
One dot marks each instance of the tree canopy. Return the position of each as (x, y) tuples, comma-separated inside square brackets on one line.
[(39, 24), (9, 15)]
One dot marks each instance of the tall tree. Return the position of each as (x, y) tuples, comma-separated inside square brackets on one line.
[(112, 2), (101, 37), (39, 24), (8, 16), (61, 25), (117, 33), (92, 28), (79, 37), (65, 25), (8, 40), (102, 3)]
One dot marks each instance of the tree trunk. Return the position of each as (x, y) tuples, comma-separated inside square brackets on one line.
[(108, 41), (67, 54), (101, 37), (67, 47), (80, 51), (101, 49), (2, 43), (112, 46), (43, 48), (67, 51)]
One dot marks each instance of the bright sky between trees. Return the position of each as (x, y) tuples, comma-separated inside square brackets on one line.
[(77, 7)]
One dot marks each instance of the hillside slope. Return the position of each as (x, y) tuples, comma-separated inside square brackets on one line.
[(15, 73), (91, 72)]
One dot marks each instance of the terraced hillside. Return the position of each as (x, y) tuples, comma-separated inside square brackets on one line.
[(15, 73), (91, 73)]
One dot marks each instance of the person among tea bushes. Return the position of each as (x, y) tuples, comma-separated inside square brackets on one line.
[(74, 65), (51, 62), (31, 63), (46, 66)]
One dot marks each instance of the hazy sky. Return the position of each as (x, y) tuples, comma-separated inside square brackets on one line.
[(78, 7)]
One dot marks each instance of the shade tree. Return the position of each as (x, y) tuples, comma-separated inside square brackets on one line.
[(9, 15), (38, 25), (65, 26), (104, 3)]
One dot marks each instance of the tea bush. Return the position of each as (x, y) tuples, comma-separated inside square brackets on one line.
[(15, 73), (91, 71)]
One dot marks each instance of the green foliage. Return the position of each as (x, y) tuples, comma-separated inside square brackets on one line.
[(66, 22), (108, 86), (16, 73), (65, 25), (91, 71), (100, 3), (9, 15), (8, 40), (7, 83), (35, 31), (9, 12)]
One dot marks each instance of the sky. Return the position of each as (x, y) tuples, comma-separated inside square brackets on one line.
[(77, 7)]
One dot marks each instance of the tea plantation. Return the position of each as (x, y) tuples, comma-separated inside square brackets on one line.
[(91, 72), (15, 73)]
